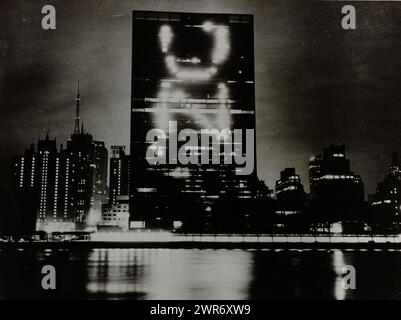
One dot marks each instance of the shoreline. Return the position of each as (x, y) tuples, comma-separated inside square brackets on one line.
[(88, 245)]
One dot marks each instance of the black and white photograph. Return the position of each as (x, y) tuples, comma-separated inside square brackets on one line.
[(200, 150)]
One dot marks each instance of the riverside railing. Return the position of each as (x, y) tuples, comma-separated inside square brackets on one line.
[(246, 238)]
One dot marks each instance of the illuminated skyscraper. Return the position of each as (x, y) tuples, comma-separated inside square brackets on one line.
[(115, 213), (119, 173), (191, 73), (43, 185), (387, 200), (290, 193), (337, 190), (101, 164), (25, 185)]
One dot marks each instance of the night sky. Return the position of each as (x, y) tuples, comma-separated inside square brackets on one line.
[(316, 84)]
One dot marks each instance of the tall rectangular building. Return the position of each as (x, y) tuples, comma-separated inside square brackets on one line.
[(43, 188), (337, 192), (119, 173), (192, 116), (26, 179), (101, 164)]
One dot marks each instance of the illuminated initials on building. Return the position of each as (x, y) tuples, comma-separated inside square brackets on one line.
[(188, 71)]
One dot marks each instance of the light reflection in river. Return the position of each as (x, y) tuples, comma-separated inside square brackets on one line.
[(200, 274), (171, 274)]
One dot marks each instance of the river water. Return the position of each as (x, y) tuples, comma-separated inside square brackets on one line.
[(200, 274)]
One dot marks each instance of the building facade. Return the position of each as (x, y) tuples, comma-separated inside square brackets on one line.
[(191, 74), (116, 216), (81, 152), (43, 185), (101, 169), (290, 193), (120, 173), (386, 201), (337, 192)]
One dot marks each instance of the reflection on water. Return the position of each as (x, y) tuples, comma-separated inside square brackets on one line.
[(170, 274), (338, 264), (200, 274)]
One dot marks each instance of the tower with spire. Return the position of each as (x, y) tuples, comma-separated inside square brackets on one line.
[(81, 152), (88, 168), (59, 190)]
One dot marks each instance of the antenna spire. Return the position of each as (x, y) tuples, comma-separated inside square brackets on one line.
[(77, 118)]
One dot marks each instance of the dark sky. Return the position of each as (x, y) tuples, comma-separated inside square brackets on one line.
[(316, 84)]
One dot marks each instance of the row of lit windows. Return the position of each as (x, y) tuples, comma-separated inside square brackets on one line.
[(337, 177), (291, 178), (32, 171), (42, 208), (287, 189), (114, 219), (22, 173)]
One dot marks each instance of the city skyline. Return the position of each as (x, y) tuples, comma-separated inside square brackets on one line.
[(115, 149), (86, 130), (44, 183), (296, 116)]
